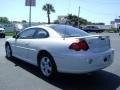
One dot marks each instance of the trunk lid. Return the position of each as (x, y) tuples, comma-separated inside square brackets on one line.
[(97, 43)]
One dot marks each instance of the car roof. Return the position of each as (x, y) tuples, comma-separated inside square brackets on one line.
[(1, 28), (47, 28), (46, 25)]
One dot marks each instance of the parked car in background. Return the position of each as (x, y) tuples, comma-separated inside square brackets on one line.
[(2, 32), (93, 29), (60, 48)]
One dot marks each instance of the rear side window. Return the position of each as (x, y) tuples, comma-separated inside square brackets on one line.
[(41, 33)]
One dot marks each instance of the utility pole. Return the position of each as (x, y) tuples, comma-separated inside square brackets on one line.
[(78, 17), (30, 15)]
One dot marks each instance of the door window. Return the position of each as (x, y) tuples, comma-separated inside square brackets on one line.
[(27, 34)]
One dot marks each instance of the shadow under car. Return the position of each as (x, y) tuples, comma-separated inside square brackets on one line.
[(99, 80)]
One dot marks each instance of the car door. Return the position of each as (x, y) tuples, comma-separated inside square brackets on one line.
[(38, 40), (22, 42)]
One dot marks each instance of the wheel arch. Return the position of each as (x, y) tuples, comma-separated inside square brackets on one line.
[(42, 52), (7, 43)]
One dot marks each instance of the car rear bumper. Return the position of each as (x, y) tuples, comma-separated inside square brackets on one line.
[(77, 63)]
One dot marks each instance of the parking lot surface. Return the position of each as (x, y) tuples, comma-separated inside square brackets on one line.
[(18, 75)]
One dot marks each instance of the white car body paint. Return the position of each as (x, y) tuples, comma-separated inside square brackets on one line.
[(67, 61)]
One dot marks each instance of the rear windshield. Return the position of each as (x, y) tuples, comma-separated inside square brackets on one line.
[(69, 31)]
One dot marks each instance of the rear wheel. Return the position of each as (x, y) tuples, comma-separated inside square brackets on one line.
[(47, 66), (8, 51)]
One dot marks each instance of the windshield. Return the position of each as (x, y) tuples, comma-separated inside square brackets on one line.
[(69, 31)]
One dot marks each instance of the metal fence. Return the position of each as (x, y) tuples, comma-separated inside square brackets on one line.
[(11, 27)]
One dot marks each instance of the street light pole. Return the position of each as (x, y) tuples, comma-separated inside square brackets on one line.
[(30, 3), (78, 17), (30, 16)]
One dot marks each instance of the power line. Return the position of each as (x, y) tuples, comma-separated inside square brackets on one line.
[(100, 13), (103, 2), (77, 3)]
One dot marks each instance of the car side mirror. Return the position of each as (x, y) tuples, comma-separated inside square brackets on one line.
[(15, 36)]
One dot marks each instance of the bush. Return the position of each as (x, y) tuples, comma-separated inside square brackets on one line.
[(9, 33)]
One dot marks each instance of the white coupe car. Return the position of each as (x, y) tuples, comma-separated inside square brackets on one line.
[(61, 48)]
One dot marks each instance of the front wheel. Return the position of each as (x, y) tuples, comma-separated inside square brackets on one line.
[(8, 51), (47, 66)]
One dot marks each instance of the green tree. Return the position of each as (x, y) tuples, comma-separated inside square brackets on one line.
[(73, 19), (4, 20), (56, 22), (48, 8), (24, 21)]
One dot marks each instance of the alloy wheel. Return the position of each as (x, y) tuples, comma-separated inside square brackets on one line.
[(46, 66)]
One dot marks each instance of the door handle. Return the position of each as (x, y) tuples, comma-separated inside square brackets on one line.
[(26, 44)]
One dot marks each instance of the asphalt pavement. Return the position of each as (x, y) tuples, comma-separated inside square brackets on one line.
[(18, 75)]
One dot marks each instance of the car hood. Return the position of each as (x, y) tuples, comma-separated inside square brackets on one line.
[(2, 29)]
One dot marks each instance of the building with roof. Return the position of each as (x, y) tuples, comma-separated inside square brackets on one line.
[(115, 23)]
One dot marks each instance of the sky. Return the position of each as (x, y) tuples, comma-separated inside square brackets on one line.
[(93, 10)]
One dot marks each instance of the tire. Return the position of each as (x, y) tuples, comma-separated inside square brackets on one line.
[(3, 36), (8, 51), (47, 66)]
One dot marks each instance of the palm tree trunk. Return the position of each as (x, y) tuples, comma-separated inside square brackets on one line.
[(48, 18)]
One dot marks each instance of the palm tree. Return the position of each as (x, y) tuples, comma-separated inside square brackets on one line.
[(49, 8)]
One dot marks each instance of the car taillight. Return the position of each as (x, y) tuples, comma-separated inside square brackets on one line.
[(82, 45)]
